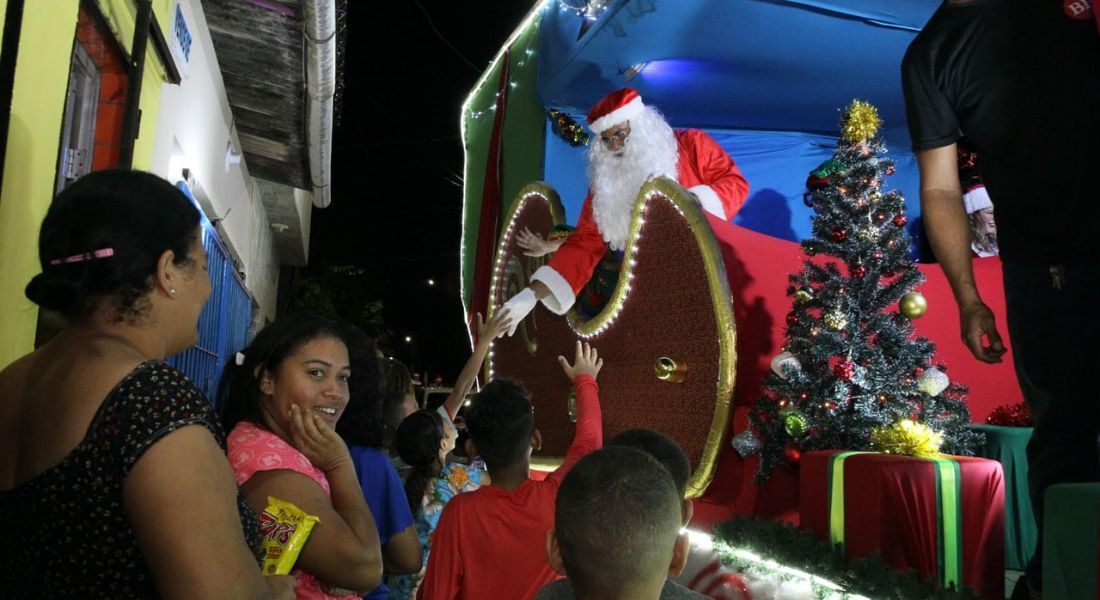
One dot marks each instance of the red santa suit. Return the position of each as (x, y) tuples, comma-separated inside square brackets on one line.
[(703, 167)]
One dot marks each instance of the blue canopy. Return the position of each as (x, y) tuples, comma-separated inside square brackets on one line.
[(767, 78)]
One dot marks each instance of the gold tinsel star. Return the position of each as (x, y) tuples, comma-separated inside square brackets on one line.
[(860, 121)]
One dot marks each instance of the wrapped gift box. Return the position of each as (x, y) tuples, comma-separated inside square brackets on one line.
[(1071, 533), (942, 517), (1008, 446)]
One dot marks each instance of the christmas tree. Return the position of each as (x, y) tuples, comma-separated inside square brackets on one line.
[(851, 369)]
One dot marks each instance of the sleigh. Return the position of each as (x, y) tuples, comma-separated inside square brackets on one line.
[(688, 335)]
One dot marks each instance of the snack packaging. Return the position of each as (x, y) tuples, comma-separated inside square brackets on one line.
[(285, 528)]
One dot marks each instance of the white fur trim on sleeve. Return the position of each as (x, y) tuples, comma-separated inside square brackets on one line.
[(561, 296), (623, 113), (976, 199), (710, 200)]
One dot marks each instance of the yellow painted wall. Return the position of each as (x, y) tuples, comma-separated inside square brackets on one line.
[(3, 13), (38, 105)]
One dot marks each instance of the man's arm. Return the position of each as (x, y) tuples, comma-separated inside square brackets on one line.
[(948, 230), (724, 188), (572, 265)]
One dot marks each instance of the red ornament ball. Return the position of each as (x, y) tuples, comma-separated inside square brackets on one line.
[(917, 371), (889, 170), (840, 234), (901, 220), (792, 454), (792, 319), (859, 271), (845, 370)]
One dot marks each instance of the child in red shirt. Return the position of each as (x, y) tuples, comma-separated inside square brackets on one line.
[(491, 543)]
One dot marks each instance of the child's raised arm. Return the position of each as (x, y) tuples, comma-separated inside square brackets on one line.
[(485, 334), (589, 435)]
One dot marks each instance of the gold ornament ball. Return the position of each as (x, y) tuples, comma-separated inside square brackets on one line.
[(835, 320), (913, 305)]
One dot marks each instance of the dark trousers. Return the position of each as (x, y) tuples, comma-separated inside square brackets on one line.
[(1054, 329)]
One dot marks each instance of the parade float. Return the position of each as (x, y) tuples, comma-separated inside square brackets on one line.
[(699, 326)]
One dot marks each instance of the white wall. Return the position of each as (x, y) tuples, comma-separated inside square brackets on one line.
[(195, 125)]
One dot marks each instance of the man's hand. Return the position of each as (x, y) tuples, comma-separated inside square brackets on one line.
[(534, 245), (496, 326), (587, 362), (518, 307), (977, 321)]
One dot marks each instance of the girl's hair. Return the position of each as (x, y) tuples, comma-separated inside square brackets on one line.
[(362, 422), (417, 443), (239, 389), (102, 238), (394, 383)]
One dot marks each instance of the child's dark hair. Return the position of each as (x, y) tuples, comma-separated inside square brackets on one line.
[(130, 218), (417, 443), (659, 446), (361, 423), (500, 421), (239, 388), (616, 519), (394, 383)]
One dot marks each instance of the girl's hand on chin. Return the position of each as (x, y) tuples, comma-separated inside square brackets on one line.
[(317, 441)]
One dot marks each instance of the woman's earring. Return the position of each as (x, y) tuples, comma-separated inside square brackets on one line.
[(172, 292)]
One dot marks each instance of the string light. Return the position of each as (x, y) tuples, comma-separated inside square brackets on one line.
[(756, 562)]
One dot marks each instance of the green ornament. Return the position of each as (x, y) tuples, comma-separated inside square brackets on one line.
[(796, 424), (804, 294)]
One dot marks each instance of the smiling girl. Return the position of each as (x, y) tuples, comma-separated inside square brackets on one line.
[(281, 399)]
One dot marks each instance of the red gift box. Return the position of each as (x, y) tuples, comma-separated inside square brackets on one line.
[(892, 505)]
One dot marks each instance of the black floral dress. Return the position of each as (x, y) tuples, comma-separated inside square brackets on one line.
[(65, 532)]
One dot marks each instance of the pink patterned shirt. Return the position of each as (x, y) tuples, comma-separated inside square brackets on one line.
[(252, 450)]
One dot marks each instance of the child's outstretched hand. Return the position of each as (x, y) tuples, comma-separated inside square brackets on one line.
[(500, 323), (587, 362)]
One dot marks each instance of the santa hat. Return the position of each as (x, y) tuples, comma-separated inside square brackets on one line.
[(616, 107)]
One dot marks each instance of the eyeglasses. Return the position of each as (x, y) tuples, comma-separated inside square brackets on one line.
[(619, 136)]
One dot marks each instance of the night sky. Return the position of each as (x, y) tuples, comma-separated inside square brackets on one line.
[(398, 164)]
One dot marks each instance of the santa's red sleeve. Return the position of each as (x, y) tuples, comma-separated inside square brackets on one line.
[(572, 265), (722, 189)]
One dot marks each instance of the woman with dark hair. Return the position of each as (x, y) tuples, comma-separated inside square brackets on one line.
[(362, 429), (398, 400), (113, 476), (281, 399)]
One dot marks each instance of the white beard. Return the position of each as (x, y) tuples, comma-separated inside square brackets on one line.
[(650, 150)]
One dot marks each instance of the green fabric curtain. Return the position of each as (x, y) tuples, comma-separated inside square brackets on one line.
[(1008, 446)]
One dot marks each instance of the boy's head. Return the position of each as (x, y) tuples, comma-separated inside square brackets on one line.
[(659, 446), (668, 453), (617, 525), (501, 424)]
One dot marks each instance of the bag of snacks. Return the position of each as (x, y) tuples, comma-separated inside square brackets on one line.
[(285, 528)]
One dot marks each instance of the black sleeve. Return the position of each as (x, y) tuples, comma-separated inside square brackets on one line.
[(932, 121), (156, 400)]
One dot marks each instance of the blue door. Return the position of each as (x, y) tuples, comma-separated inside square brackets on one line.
[(225, 320)]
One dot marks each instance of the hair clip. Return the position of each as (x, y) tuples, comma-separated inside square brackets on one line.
[(101, 253), (239, 359)]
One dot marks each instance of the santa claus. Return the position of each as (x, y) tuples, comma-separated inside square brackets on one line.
[(634, 144)]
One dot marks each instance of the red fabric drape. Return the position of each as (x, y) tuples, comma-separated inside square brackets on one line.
[(890, 507), (489, 226)]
